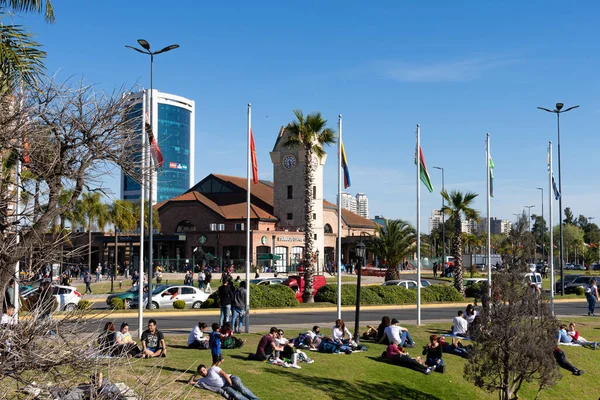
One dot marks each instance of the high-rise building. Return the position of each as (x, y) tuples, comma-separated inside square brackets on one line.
[(469, 226), (349, 202), (362, 205), (173, 121), (436, 220)]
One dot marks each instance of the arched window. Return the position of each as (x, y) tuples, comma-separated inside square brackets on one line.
[(185, 226), (327, 228)]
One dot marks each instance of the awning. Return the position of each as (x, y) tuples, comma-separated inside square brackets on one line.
[(269, 256)]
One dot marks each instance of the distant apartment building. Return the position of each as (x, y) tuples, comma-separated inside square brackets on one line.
[(348, 202), (436, 220), (362, 205), (470, 226), (497, 226)]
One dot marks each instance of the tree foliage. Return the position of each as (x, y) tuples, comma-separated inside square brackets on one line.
[(394, 242)]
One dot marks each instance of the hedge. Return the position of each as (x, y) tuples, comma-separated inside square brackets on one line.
[(117, 304), (374, 295), (474, 290), (261, 296), (179, 304), (84, 305)]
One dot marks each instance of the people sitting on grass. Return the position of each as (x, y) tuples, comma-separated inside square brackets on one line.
[(214, 342), (460, 325), (107, 340), (376, 334), (561, 359), (433, 352), (196, 338), (289, 351), (398, 334), (455, 347), (569, 334), (125, 344), (228, 341), (266, 346), (153, 342), (340, 334), (398, 356), (313, 338), (218, 381)]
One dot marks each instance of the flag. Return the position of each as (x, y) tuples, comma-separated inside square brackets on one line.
[(154, 149), (346, 169), (425, 178), (555, 188), (491, 177), (26, 151), (253, 156)]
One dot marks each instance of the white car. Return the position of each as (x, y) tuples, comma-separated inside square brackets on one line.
[(267, 281), (406, 283), (472, 281), (67, 297), (164, 296)]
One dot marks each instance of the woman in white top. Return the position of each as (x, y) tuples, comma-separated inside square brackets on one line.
[(125, 343), (591, 294), (339, 331)]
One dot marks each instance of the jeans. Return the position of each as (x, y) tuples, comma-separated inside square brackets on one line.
[(563, 337), (434, 361), (225, 312), (237, 390), (405, 336), (591, 303), (238, 313), (561, 359)]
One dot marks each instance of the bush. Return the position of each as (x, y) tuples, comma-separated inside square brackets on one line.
[(117, 304), (179, 304), (474, 290), (328, 293), (395, 294), (209, 303), (440, 293), (84, 305), (373, 295), (579, 291), (261, 296)]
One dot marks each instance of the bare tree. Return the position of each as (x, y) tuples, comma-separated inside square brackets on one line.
[(514, 339)]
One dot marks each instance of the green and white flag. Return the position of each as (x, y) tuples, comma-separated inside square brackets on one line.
[(491, 177)]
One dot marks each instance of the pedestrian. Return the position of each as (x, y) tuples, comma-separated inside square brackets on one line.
[(214, 341), (591, 294), (226, 298), (435, 270), (87, 279), (207, 279), (201, 279), (238, 308), (98, 273)]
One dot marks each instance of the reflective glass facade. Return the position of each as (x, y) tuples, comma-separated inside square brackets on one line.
[(131, 188)]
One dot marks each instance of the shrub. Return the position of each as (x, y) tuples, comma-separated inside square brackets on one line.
[(209, 303), (440, 293), (328, 293), (261, 296), (84, 305), (394, 294), (579, 291), (117, 304), (179, 304), (474, 290), (373, 295)]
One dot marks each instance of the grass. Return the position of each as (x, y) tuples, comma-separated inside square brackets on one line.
[(359, 375)]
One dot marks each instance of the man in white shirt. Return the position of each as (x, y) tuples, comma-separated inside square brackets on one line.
[(217, 380), (397, 334), (196, 339), (460, 325), (8, 318)]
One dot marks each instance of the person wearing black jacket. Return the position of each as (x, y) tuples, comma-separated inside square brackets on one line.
[(238, 308), (226, 293)]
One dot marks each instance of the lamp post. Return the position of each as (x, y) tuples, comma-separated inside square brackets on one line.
[(558, 110), (443, 222), (543, 223), (529, 227), (146, 50), (361, 254), (590, 243)]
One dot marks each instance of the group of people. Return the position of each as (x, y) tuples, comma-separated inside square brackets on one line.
[(119, 343), (276, 349)]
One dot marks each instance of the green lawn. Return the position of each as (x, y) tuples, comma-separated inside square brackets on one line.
[(357, 376)]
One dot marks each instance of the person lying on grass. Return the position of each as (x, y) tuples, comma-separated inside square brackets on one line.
[(218, 381), (561, 359), (578, 339), (398, 356), (456, 347)]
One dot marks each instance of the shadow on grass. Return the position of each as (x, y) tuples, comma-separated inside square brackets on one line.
[(171, 369), (357, 390), (178, 346), (239, 356)]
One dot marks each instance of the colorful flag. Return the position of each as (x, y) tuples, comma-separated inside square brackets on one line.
[(26, 158), (555, 188), (156, 153), (253, 156), (346, 169), (425, 178), (491, 177)]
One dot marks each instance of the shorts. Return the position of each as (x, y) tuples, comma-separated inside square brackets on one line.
[(154, 349)]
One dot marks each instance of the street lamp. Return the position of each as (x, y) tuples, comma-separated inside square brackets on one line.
[(543, 223), (558, 110), (361, 254), (589, 228), (146, 46), (529, 208), (443, 223)]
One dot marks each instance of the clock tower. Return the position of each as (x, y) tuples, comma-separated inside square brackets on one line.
[(288, 189)]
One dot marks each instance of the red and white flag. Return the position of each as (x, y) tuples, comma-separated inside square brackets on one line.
[(253, 157), (156, 153)]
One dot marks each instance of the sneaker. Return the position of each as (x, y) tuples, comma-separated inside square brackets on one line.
[(309, 361), (578, 372), (286, 365), (412, 345), (428, 371), (295, 366), (241, 344)]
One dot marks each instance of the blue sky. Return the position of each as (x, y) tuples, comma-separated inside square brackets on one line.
[(459, 69)]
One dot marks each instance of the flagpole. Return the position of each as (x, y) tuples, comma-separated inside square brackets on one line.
[(17, 221), (418, 224), (142, 215), (489, 231), (551, 259), (248, 172), (339, 230)]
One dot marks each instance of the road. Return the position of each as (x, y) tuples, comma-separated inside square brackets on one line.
[(305, 319)]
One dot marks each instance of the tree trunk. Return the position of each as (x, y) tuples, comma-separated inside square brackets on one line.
[(392, 273), (457, 252), (309, 274)]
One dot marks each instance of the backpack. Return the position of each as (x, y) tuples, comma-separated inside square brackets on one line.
[(299, 341)]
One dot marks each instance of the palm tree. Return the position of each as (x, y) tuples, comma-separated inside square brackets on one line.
[(310, 134), (458, 206), (394, 242), (122, 217), (92, 212), (155, 216)]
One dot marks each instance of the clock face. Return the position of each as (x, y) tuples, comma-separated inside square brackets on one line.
[(289, 162), (263, 240)]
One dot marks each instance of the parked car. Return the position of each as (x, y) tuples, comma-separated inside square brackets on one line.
[(579, 267), (534, 278), (569, 266), (472, 281), (595, 267), (267, 281), (164, 296), (127, 295), (67, 297), (568, 279), (406, 283), (581, 281)]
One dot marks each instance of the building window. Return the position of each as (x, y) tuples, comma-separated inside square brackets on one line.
[(314, 216), (281, 264), (314, 192), (239, 227), (327, 229), (185, 226), (290, 192), (290, 216)]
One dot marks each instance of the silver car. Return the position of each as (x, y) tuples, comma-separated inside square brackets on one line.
[(164, 296)]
